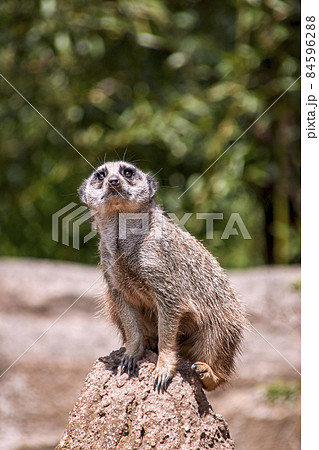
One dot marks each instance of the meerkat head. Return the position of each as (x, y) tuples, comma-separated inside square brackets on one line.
[(118, 186)]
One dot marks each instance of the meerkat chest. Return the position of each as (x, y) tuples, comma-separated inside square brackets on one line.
[(122, 274), (121, 261)]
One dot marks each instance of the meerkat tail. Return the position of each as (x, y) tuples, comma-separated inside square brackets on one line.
[(207, 377)]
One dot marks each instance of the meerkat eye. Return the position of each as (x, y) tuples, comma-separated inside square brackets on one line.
[(100, 176), (128, 173)]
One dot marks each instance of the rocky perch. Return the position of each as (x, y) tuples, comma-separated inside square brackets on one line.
[(114, 411)]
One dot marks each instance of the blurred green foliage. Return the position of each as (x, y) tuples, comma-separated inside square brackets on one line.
[(174, 83), (282, 391)]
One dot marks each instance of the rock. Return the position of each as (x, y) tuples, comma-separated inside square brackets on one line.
[(114, 411)]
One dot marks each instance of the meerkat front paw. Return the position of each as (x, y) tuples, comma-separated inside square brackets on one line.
[(164, 372), (130, 360), (129, 365)]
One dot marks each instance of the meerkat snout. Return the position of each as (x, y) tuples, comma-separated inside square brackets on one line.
[(113, 181)]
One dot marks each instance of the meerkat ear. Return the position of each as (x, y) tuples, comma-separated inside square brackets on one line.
[(81, 192), (153, 185)]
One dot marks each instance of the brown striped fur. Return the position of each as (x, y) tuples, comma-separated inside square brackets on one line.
[(162, 290)]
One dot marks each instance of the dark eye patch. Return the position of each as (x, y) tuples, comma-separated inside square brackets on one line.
[(128, 173), (99, 176)]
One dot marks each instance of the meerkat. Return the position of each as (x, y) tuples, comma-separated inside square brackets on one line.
[(164, 289)]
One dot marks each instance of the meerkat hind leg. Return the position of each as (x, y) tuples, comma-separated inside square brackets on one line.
[(207, 377)]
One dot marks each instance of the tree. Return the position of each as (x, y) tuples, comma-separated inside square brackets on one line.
[(171, 83)]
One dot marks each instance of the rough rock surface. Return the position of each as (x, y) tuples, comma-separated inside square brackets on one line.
[(114, 411)]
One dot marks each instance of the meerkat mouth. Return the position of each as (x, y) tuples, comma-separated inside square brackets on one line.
[(111, 193)]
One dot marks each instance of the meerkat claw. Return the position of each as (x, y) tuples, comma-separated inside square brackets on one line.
[(164, 384), (161, 382), (155, 382), (135, 369), (123, 365), (129, 364)]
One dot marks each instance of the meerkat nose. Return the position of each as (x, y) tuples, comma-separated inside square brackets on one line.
[(113, 181)]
